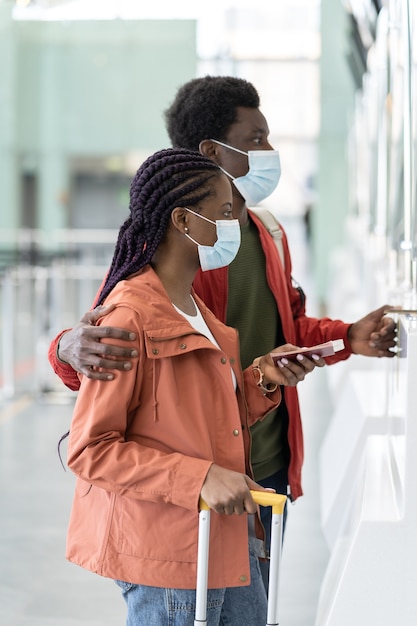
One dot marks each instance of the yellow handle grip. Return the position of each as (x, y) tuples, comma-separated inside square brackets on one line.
[(263, 498), (268, 498)]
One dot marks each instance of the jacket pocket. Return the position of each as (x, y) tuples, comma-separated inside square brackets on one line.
[(150, 531)]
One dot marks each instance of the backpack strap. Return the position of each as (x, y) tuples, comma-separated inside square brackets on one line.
[(273, 227)]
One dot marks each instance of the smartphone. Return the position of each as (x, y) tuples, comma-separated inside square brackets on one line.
[(323, 349)]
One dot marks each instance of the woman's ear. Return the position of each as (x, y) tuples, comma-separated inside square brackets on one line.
[(179, 219)]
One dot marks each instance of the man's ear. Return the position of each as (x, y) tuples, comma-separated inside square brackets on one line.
[(209, 149)]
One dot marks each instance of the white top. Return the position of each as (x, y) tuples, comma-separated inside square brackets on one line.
[(197, 321)]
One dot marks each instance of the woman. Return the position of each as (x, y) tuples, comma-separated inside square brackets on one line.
[(146, 445)]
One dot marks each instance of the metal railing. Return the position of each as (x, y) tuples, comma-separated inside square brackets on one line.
[(42, 292)]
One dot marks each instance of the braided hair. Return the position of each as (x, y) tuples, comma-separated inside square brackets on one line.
[(167, 179)]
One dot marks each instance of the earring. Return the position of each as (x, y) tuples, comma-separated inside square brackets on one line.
[(186, 229)]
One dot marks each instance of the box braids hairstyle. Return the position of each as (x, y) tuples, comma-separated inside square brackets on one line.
[(169, 178)]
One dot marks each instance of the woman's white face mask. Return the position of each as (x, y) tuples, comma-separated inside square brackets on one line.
[(263, 175), (224, 249)]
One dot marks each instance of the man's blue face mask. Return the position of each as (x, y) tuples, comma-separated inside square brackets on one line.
[(263, 175)]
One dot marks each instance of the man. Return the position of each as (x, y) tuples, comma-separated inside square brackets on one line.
[(220, 117)]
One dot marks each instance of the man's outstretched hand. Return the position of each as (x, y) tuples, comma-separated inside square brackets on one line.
[(375, 334)]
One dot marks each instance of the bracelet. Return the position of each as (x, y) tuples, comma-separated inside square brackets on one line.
[(269, 387)]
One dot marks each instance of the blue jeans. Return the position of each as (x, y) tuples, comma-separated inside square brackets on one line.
[(232, 606), (279, 482)]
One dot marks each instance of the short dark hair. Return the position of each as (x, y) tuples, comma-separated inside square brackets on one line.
[(205, 108), (167, 179)]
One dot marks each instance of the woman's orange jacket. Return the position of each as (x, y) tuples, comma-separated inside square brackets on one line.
[(142, 444)]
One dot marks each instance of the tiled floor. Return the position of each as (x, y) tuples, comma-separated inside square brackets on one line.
[(39, 588)]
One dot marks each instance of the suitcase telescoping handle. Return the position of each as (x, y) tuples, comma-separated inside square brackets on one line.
[(263, 498)]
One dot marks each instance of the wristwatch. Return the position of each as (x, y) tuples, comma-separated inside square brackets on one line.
[(259, 377)]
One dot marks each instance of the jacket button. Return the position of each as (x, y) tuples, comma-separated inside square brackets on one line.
[(155, 351), (243, 578), (232, 361), (236, 432), (183, 346), (223, 360)]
